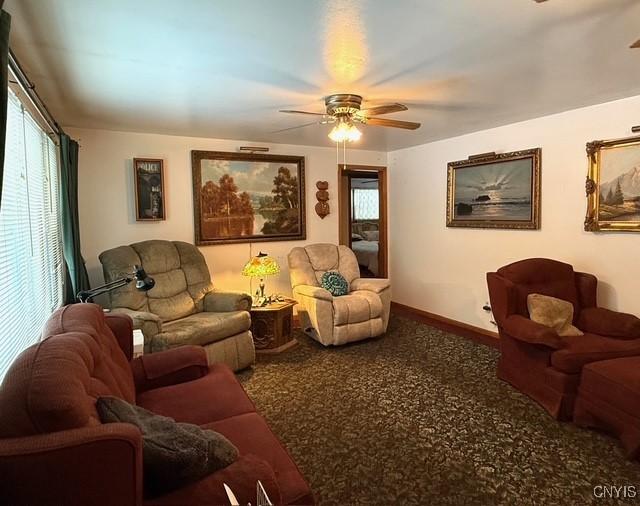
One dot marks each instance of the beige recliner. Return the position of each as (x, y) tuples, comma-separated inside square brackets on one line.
[(362, 313), (182, 308)]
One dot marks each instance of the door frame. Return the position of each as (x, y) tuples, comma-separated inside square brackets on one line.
[(344, 206)]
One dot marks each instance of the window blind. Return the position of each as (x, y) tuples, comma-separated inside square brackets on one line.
[(365, 203), (31, 266)]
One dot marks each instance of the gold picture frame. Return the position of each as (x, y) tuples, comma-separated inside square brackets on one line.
[(613, 193), (248, 197), (495, 190)]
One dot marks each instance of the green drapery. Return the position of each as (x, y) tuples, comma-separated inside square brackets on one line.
[(5, 25), (77, 278)]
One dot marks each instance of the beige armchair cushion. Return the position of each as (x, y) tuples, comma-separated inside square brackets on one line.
[(202, 328), (356, 308)]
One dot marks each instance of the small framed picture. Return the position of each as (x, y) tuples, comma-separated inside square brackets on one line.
[(149, 189)]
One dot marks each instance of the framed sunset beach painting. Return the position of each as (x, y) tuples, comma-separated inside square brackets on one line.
[(495, 191)]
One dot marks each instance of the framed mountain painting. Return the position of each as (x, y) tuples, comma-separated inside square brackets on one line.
[(495, 191), (613, 185), (247, 197)]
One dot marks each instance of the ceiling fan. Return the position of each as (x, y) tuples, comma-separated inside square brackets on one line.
[(635, 45), (344, 110)]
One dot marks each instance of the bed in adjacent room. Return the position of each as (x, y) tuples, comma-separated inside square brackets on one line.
[(364, 243)]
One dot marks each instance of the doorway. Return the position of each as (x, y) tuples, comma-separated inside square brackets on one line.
[(362, 216)]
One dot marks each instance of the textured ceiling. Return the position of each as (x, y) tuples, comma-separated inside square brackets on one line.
[(223, 68)]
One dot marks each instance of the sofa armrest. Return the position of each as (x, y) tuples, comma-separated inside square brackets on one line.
[(222, 302), (122, 327), (91, 465), (315, 292), (524, 329), (605, 322), (376, 285), (170, 367), (149, 323)]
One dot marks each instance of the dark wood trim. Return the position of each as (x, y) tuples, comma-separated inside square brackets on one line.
[(480, 335), (383, 223)]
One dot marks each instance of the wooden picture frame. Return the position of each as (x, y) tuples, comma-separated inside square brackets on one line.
[(495, 191), (613, 185), (247, 197), (148, 176)]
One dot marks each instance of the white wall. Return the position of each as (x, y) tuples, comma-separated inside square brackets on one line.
[(107, 200), (442, 270)]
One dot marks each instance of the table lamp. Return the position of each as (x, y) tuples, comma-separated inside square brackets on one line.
[(260, 266)]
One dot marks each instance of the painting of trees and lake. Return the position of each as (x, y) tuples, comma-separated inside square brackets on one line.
[(619, 188), (248, 197), (495, 191)]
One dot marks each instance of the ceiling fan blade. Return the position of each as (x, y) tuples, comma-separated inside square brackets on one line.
[(635, 45), (288, 111), (539, 1), (298, 126), (394, 123), (383, 109)]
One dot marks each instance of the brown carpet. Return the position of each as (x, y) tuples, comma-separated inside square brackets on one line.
[(419, 417)]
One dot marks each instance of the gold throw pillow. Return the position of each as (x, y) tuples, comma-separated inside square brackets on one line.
[(552, 312)]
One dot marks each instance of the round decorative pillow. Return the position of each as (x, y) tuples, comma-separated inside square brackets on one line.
[(335, 283)]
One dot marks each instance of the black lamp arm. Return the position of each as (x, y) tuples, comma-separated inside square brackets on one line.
[(87, 295)]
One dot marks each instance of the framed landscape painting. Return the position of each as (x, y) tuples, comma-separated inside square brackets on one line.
[(242, 197), (495, 191), (613, 185)]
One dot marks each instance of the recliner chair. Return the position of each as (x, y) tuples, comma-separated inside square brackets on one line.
[(183, 307), (362, 313), (534, 358)]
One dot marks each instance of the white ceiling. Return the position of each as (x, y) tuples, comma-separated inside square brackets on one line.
[(223, 68)]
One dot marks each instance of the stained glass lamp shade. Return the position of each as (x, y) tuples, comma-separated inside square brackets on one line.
[(260, 266)]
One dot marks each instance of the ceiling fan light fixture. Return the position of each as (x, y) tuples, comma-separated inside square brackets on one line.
[(345, 131)]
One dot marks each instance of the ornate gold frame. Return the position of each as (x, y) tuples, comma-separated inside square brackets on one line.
[(198, 156), (592, 223), (485, 159)]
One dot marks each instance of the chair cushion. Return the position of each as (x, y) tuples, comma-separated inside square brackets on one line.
[(543, 276), (212, 397), (174, 453), (552, 312), (179, 269), (617, 382), (356, 307), (582, 350), (334, 283), (251, 435), (204, 328)]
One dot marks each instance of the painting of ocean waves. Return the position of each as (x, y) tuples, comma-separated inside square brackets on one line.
[(495, 209)]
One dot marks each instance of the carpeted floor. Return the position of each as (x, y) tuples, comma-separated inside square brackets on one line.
[(419, 417)]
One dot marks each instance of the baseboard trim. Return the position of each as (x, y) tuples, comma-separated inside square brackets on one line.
[(480, 335)]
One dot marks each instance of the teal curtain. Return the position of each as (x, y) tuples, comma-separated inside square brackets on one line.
[(77, 278), (5, 24)]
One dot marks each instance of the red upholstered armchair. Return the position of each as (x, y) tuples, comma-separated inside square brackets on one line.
[(534, 359)]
